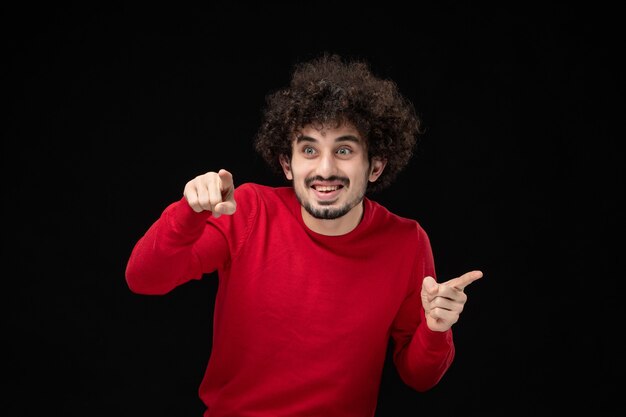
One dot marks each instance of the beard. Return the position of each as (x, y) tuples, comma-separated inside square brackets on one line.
[(330, 213)]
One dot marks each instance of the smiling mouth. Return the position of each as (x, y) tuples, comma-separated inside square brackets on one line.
[(326, 188)]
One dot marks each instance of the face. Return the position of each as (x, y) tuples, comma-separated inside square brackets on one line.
[(330, 170)]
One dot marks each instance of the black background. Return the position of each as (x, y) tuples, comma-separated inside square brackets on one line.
[(111, 110)]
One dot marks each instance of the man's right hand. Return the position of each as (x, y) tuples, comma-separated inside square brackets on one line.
[(213, 191)]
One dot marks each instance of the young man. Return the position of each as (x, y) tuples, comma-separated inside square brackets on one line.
[(314, 278)]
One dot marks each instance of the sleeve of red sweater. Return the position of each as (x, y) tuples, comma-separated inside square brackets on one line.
[(178, 247), (421, 356)]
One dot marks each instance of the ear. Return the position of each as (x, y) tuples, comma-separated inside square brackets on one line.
[(376, 168), (286, 165)]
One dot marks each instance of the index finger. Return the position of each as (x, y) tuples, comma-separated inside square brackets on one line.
[(464, 280), (226, 179)]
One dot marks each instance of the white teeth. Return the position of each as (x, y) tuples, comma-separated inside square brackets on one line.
[(326, 189)]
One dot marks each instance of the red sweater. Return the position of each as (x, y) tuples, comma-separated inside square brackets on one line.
[(302, 320)]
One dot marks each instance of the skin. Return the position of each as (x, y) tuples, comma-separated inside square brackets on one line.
[(330, 169)]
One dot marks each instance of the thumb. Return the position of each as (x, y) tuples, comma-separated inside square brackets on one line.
[(429, 285)]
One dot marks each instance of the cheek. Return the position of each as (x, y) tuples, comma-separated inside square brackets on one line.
[(299, 173), (300, 168), (358, 173)]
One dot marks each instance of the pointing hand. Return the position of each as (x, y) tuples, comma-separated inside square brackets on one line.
[(444, 302), (213, 191)]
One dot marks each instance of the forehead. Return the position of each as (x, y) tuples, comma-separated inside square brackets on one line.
[(328, 133)]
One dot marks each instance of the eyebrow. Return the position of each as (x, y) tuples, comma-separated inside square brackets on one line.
[(346, 138)]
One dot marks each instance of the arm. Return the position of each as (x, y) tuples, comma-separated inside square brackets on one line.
[(182, 245), (421, 356), (424, 347)]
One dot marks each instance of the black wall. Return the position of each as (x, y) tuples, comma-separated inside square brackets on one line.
[(520, 174)]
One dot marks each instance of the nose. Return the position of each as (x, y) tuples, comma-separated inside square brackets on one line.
[(327, 166)]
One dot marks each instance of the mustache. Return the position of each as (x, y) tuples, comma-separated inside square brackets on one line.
[(344, 181)]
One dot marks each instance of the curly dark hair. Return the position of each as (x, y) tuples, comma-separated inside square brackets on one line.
[(330, 91)]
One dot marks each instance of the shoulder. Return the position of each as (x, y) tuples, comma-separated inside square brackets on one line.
[(257, 195), (382, 217), (262, 192), (382, 214)]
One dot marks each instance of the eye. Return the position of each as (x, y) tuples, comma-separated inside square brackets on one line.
[(308, 150), (344, 151)]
